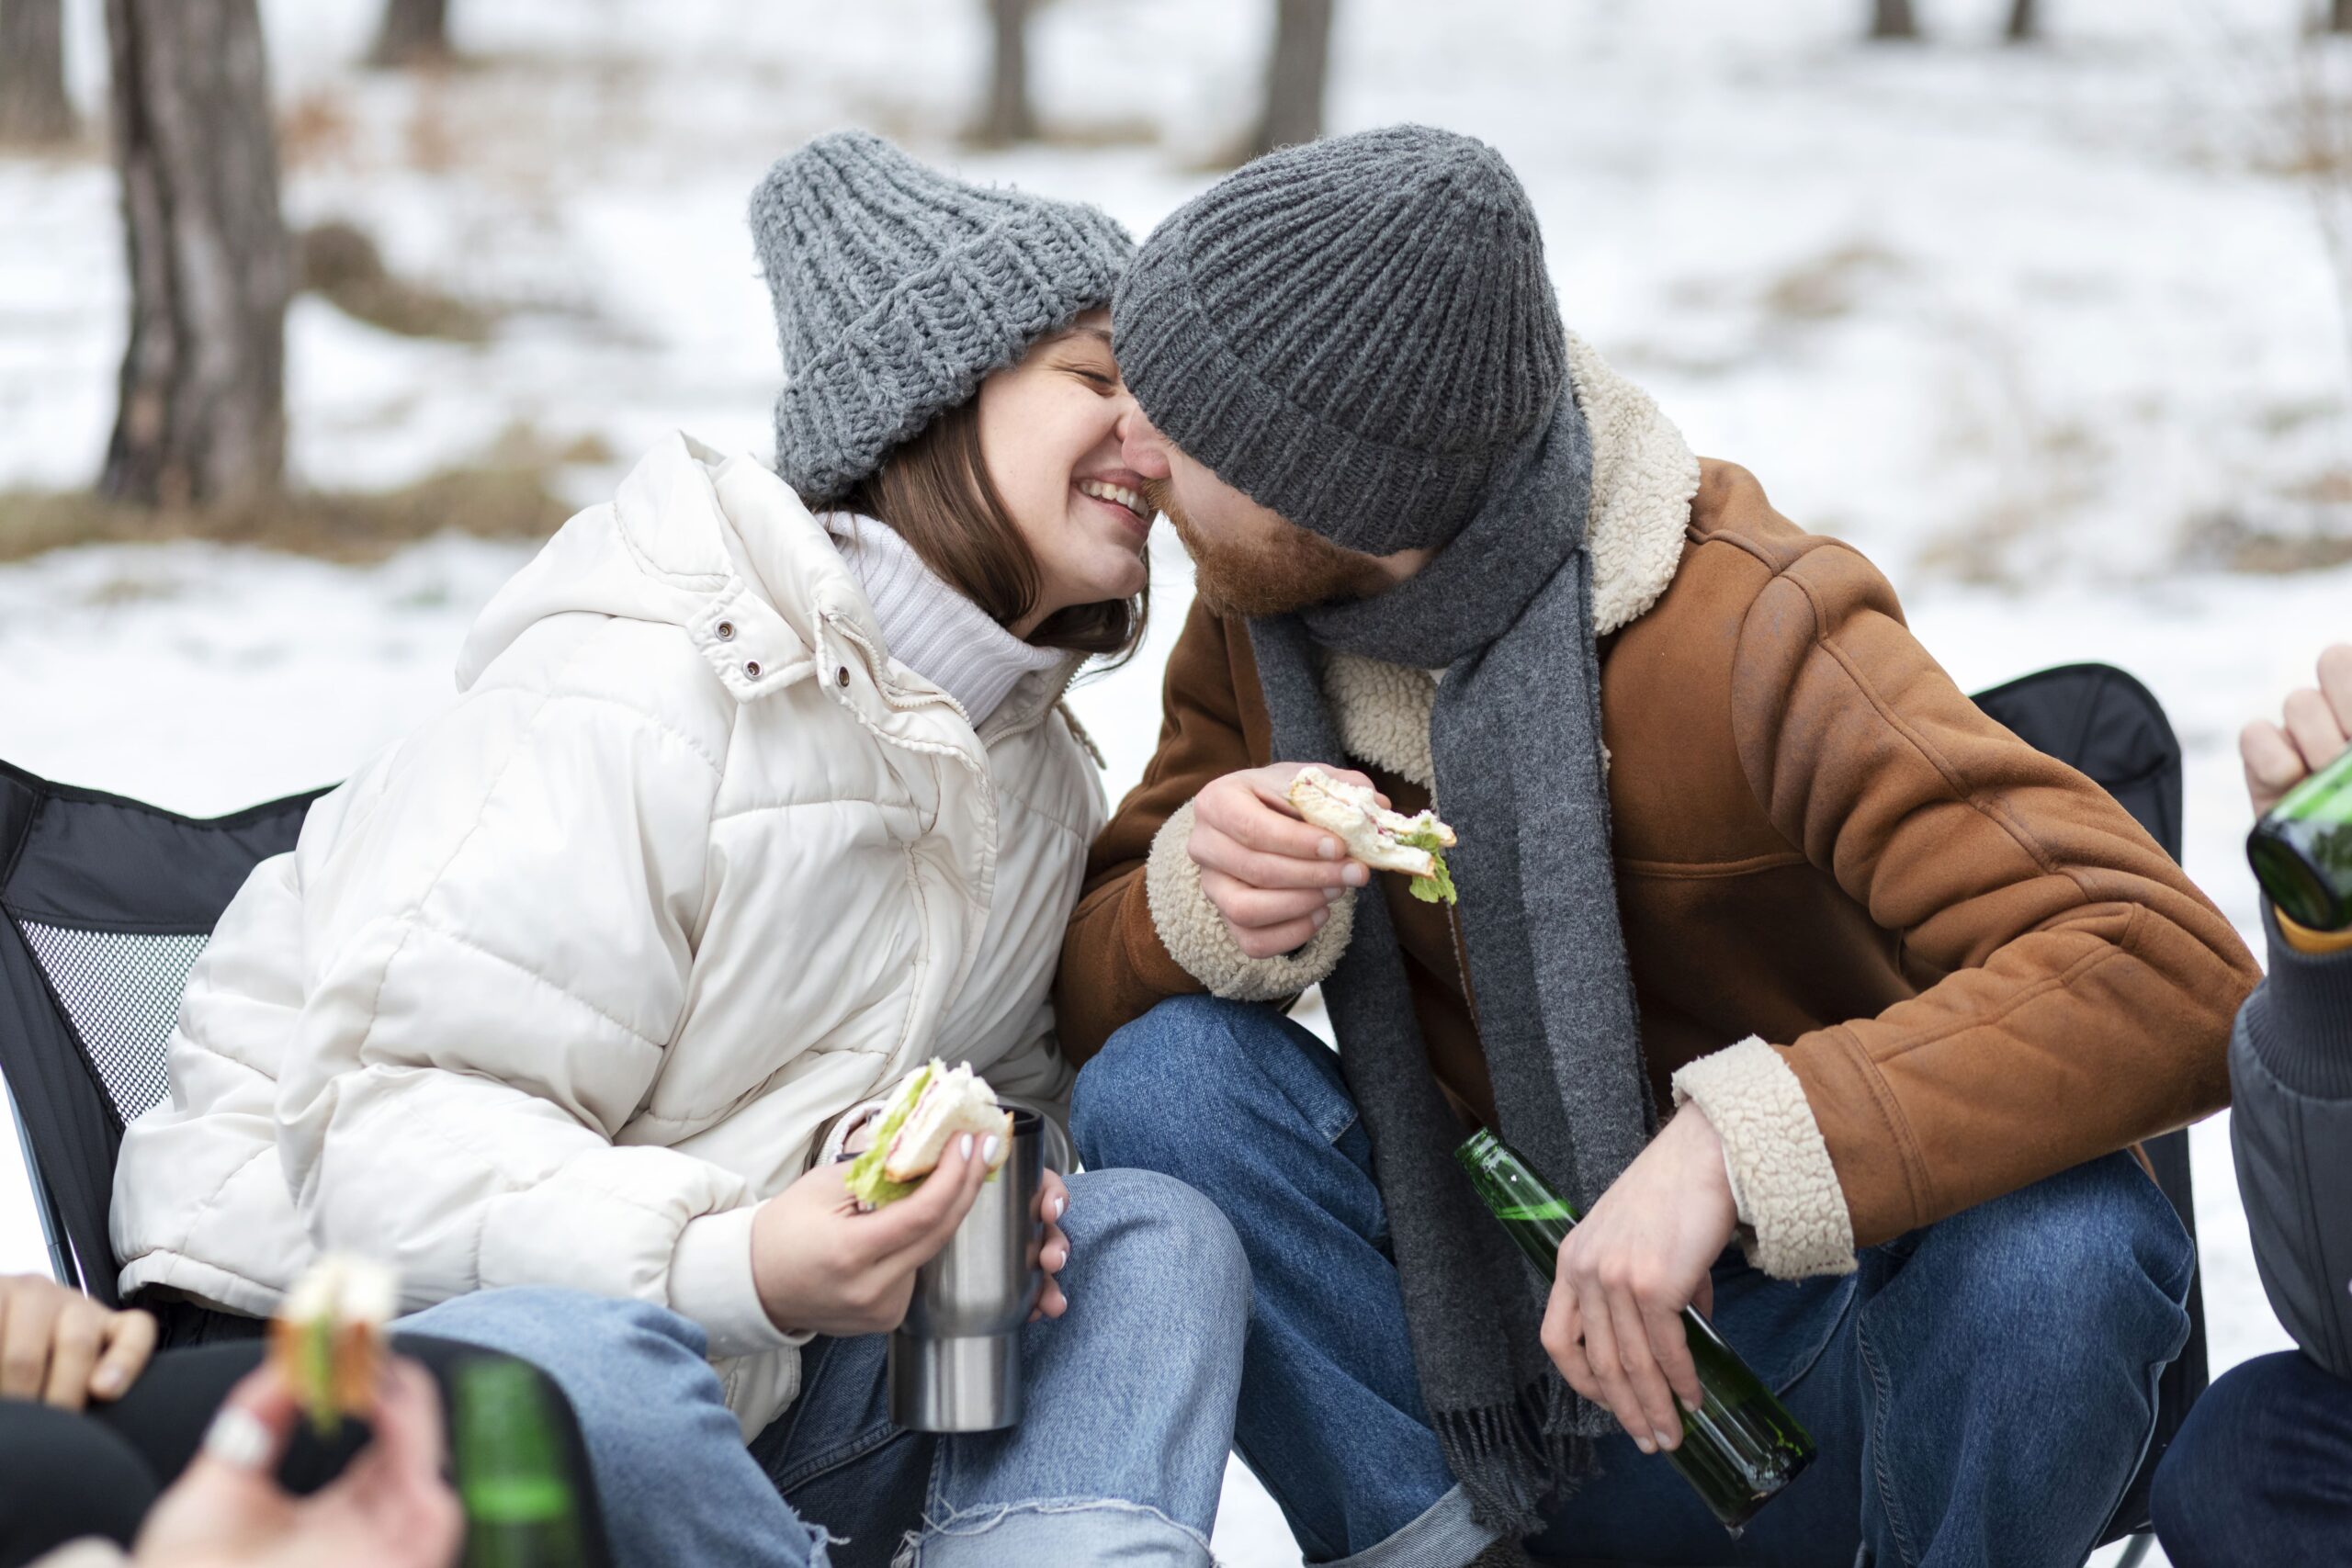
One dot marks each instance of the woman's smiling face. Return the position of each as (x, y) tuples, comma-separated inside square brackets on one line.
[(1049, 429)]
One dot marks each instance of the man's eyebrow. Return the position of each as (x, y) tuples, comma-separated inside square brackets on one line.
[(1101, 334)]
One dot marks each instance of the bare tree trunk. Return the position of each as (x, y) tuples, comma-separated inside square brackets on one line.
[(414, 32), (1008, 117), (203, 416), (2339, 16), (2025, 20), (1893, 18), (1297, 70), (34, 108)]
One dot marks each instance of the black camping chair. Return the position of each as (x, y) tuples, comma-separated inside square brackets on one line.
[(2109, 726), (107, 904)]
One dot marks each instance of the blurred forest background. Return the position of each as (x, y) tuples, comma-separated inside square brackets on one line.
[(317, 315)]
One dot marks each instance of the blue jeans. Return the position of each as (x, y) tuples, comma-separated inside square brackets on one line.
[(1119, 1459), (2261, 1474), (1981, 1390)]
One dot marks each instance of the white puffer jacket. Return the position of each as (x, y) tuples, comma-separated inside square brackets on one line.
[(555, 990)]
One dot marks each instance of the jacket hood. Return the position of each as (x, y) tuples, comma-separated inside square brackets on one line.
[(668, 549), (720, 548)]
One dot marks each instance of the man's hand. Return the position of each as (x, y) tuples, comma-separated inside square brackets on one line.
[(1270, 875), (62, 1347), (823, 1266), (1614, 1325), (2310, 735), (390, 1508)]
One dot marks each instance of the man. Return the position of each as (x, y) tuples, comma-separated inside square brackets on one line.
[(1731, 842), (2261, 1473)]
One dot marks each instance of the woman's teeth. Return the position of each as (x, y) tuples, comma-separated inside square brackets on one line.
[(1118, 495)]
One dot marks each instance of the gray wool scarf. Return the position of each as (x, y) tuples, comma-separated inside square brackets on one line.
[(1505, 610)]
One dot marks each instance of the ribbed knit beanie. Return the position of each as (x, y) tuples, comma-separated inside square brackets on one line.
[(1354, 332), (898, 287)]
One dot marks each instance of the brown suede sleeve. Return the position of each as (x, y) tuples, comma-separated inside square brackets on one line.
[(2086, 986), (1113, 964)]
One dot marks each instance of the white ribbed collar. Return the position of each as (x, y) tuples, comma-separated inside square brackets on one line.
[(929, 627)]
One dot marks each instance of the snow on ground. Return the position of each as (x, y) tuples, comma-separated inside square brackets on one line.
[(2044, 333)]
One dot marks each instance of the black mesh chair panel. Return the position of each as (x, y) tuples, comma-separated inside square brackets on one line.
[(107, 903), (120, 992)]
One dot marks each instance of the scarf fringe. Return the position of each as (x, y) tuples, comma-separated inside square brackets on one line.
[(1514, 1458)]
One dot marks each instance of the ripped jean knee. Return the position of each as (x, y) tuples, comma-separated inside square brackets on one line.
[(1055, 1530)]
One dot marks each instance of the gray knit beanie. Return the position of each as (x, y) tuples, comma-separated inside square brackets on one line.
[(1354, 332), (897, 288)]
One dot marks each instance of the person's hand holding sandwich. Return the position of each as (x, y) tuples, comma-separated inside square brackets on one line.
[(836, 1252), (1271, 874)]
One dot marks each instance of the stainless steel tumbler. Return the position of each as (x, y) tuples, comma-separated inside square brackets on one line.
[(955, 1363)]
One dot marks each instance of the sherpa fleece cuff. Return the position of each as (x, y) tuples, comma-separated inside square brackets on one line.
[(1792, 1215), (711, 1283), (1197, 938)]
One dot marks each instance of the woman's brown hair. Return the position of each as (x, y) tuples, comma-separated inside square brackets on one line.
[(936, 493)]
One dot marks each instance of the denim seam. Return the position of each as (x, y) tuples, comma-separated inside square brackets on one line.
[(1895, 1524), (2147, 1440), (1345, 1109), (856, 1448), (2179, 1299)]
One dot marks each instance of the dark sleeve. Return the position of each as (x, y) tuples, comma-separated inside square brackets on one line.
[(2291, 1123)]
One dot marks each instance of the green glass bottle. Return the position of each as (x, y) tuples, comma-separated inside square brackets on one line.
[(1741, 1446), (2301, 849), (521, 1510)]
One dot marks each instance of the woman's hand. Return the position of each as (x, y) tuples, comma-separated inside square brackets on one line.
[(388, 1509), (1053, 1251), (62, 1347), (823, 1266), (2309, 734), (1614, 1323)]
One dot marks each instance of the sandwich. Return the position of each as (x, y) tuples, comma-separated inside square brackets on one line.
[(327, 1338), (931, 1106), (1383, 839)]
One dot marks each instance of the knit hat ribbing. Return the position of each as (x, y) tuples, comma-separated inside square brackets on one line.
[(1355, 331), (898, 287)]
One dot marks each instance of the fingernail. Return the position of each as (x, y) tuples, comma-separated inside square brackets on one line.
[(1646, 1446), (966, 1147), (1330, 895), (1061, 1207), (1356, 875), (109, 1381), (1663, 1441), (1328, 849), (988, 1153), (1318, 917)]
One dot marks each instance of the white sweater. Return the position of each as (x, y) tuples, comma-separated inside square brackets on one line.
[(932, 629)]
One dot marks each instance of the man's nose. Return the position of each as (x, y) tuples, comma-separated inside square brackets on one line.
[(1141, 446)]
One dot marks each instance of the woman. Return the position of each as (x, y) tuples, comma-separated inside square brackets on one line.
[(757, 794)]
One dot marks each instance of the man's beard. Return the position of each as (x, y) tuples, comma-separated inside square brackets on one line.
[(1291, 570)]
